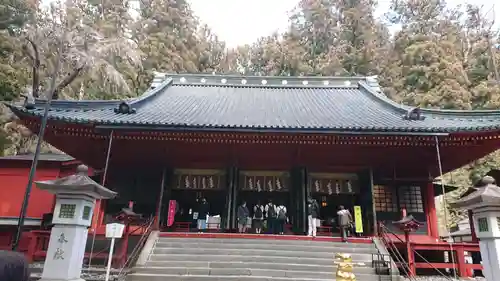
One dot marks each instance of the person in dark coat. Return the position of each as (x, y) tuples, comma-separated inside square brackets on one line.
[(13, 266), (242, 215)]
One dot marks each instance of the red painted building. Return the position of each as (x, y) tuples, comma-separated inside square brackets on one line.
[(229, 139), (14, 171)]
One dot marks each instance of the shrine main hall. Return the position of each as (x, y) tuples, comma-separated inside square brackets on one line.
[(231, 139)]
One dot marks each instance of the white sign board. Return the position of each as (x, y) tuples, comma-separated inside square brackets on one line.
[(114, 230)]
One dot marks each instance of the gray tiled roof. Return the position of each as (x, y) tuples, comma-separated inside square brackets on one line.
[(50, 157), (321, 104)]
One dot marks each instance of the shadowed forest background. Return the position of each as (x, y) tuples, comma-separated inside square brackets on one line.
[(439, 57)]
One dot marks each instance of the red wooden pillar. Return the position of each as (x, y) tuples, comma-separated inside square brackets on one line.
[(462, 270), (411, 256), (98, 215), (432, 221)]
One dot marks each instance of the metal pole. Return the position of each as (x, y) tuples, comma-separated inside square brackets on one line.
[(445, 208), (160, 200), (373, 207), (34, 163), (103, 181), (110, 258)]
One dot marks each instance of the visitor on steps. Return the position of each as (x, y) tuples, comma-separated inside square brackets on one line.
[(281, 219), (203, 209), (312, 215), (345, 221), (242, 217), (271, 217), (13, 266), (258, 217)]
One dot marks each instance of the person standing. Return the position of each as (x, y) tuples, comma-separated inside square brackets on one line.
[(258, 217), (203, 210), (281, 219), (271, 217), (312, 216), (345, 221), (242, 215)]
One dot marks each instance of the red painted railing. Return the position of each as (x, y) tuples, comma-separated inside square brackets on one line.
[(462, 268), (39, 243)]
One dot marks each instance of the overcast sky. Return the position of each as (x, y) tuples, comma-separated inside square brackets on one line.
[(243, 21)]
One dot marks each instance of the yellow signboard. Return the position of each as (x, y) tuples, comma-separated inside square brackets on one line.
[(358, 221)]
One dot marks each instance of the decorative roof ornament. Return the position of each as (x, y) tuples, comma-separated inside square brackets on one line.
[(372, 82), (414, 114), (408, 223), (124, 108), (159, 77), (29, 101)]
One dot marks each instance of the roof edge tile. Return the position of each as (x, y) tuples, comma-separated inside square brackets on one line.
[(150, 94), (259, 81)]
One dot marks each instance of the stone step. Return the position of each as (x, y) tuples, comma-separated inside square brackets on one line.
[(239, 272), (175, 277), (337, 248), (222, 257), (156, 267), (264, 242), (291, 253)]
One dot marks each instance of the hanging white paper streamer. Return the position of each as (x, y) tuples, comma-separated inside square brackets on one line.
[(329, 186), (337, 187), (316, 185), (203, 183)]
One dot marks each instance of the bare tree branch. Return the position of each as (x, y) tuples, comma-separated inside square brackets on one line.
[(34, 56), (66, 81)]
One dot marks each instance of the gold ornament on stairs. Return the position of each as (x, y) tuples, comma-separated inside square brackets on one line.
[(345, 266)]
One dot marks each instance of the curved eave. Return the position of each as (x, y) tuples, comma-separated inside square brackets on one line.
[(20, 112), (436, 113)]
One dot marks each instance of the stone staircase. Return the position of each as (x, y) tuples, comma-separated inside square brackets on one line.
[(231, 259)]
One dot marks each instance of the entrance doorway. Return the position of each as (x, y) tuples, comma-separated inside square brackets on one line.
[(332, 191), (261, 187), (189, 187), (329, 205)]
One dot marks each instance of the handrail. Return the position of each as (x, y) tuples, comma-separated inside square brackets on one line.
[(395, 252), (132, 258), (387, 230), (106, 249)]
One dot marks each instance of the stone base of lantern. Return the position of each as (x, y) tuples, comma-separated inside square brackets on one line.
[(65, 253), (492, 259)]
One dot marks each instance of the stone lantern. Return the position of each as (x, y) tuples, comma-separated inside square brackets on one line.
[(484, 202), (409, 224), (75, 200)]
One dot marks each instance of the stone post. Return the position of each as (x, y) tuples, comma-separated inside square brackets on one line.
[(75, 201)]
